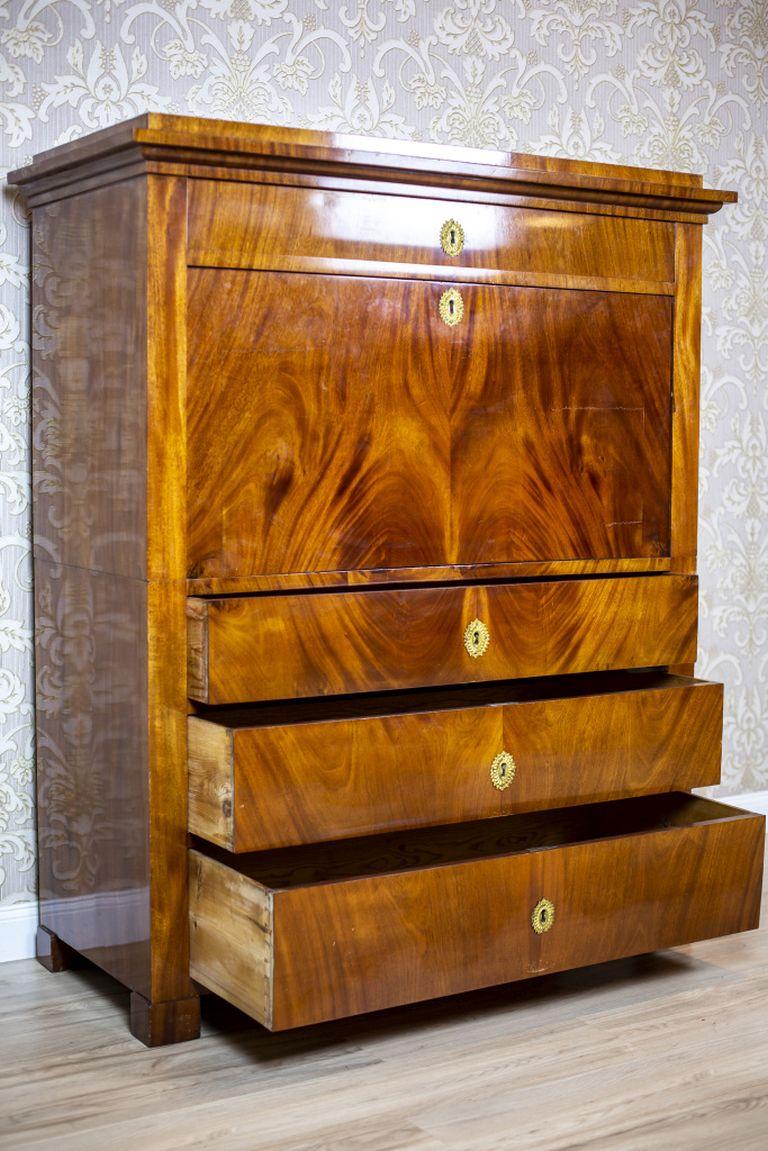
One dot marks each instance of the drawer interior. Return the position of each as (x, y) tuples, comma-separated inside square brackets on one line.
[(266, 776), (378, 855), (295, 937), (269, 713)]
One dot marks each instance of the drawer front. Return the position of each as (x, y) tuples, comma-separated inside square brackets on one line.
[(311, 947), (252, 788), (235, 225), (242, 649), (338, 424)]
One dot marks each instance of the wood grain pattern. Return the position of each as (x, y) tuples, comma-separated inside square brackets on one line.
[(166, 625), (138, 161), (458, 573), (185, 145), (90, 501), (210, 754), (260, 785), (295, 417), (685, 418), (92, 795), (238, 225), (110, 611), (245, 975), (89, 402), (536, 429), (426, 848), (666, 1050), (159, 1022), (410, 921), (560, 436), (261, 139), (282, 647)]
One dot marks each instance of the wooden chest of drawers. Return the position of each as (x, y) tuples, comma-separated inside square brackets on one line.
[(365, 569)]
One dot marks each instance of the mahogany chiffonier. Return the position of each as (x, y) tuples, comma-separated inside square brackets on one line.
[(365, 570)]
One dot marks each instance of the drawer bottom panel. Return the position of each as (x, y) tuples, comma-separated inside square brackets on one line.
[(299, 936)]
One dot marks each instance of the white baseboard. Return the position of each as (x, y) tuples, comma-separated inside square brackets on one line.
[(18, 921), (125, 911), (18, 926)]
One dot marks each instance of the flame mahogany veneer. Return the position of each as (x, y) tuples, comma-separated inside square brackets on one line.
[(264, 779), (365, 570), (315, 935)]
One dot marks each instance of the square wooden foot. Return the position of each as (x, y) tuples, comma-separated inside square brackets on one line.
[(157, 1024), (51, 952)]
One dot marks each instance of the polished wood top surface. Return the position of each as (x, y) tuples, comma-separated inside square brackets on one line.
[(201, 140)]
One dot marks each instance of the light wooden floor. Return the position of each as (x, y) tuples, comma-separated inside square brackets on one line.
[(665, 1052)]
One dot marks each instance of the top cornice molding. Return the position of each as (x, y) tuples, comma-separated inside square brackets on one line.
[(157, 142)]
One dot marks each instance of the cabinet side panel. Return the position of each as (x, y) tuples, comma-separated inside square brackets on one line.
[(89, 484), (89, 365), (91, 661)]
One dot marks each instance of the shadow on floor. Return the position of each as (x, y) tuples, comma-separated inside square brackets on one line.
[(575, 994), (571, 994)]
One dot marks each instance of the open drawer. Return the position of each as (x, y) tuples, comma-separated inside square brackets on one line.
[(246, 648), (275, 775), (298, 936)]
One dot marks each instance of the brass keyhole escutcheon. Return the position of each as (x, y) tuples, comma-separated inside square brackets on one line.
[(543, 916), (503, 770), (452, 237), (476, 638), (451, 307)]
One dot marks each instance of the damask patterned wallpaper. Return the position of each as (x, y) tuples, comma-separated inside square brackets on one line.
[(669, 83)]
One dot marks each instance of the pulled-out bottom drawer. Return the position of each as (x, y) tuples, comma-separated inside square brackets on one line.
[(313, 933)]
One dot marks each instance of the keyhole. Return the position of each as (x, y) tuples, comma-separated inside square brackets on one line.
[(476, 634), (450, 309), (453, 237), (543, 915)]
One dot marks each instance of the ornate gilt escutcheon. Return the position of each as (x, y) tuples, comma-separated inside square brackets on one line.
[(452, 237), (451, 307), (503, 770), (543, 916), (476, 638)]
